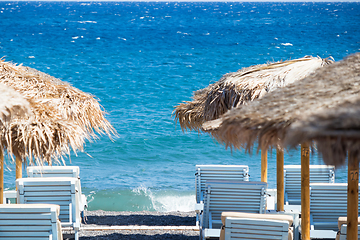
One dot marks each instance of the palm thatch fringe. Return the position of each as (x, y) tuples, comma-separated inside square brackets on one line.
[(12, 104), (336, 131), (72, 103), (268, 119), (63, 117), (43, 138), (236, 89)]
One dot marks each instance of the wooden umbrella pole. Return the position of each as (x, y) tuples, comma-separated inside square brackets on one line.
[(305, 191), (18, 171), (1, 176), (353, 196), (263, 165), (280, 179)]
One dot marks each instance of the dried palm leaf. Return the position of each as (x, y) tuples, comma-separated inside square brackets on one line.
[(236, 89), (336, 130), (63, 117), (43, 136), (72, 103), (12, 104), (267, 120)]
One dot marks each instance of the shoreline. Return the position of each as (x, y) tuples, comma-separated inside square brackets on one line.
[(138, 225)]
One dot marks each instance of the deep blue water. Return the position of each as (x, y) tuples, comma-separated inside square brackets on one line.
[(142, 59)]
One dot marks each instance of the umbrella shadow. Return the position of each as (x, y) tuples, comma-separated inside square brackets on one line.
[(148, 220)]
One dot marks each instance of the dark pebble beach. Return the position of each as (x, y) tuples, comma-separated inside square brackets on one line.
[(105, 219)]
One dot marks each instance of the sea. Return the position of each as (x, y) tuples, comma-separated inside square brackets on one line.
[(141, 59)]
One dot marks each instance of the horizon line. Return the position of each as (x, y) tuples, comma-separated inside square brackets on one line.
[(189, 1)]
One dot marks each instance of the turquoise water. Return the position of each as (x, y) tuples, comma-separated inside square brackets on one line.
[(142, 59)]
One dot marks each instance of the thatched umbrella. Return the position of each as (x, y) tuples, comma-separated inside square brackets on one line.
[(336, 131), (74, 104), (12, 105), (268, 120), (236, 89), (64, 117)]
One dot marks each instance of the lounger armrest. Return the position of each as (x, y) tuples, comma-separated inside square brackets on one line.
[(199, 207), (8, 194), (83, 203), (322, 234), (76, 225), (212, 233)]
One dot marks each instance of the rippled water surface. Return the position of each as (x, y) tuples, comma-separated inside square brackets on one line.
[(142, 59)]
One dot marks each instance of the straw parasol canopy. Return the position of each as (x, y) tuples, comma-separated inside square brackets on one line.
[(239, 88), (73, 104), (336, 128), (64, 117), (12, 104), (45, 137), (336, 131), (269, 119)]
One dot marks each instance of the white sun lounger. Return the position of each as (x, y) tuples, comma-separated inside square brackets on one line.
[(328, 202), (342, 225), (205, 173), (239, 225), (240, 196), (58, 190), (292, 181), (60, 171), (30, 221)]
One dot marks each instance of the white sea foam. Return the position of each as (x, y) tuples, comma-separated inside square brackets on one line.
[(168, 201), (173, 203), (286, 44)]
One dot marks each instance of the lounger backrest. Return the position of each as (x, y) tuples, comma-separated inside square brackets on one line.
[(60, 191), (59, 171), (241, 196), (328, 202), (249, 228), (53, 171), (292, 180), (30, 221), (206, 173)]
